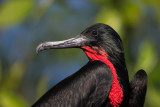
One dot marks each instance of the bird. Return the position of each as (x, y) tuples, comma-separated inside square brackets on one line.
[(103, 81)]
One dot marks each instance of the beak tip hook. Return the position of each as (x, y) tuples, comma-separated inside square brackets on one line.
[(39, 48)]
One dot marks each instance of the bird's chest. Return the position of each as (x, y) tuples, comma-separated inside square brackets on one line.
[(116, 92)]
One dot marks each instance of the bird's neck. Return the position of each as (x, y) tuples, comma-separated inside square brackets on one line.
[(116, 92)]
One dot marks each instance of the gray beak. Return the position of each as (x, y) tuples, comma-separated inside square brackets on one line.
[(76, 42)]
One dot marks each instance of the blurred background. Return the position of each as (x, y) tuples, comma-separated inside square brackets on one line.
[(25, 76)]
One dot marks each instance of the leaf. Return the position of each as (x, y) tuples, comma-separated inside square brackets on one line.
[(42, 87), (10, 99), (152, 97), (131, 14), (14, 11), (147, 58), (15, 75)]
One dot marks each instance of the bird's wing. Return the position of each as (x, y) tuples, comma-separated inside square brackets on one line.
[(138, 89), (89, 86)]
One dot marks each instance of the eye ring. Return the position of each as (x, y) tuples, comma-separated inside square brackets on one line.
[(95, 33)]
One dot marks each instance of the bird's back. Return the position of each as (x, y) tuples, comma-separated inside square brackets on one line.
[(89, 87)]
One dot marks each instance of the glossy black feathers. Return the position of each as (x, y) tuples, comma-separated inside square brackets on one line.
[(138, 89), (89, 87)]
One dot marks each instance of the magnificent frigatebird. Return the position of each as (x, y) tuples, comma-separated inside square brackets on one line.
[(103, 81)]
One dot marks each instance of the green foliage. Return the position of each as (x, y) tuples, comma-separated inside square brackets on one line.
[(147, 58), (152, 97), (15, 74), (41, 87), (10, 99), (111, 17), (131, 14), (131, 19), (14, 11), (9, 83)]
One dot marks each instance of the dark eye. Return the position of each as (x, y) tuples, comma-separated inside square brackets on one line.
[(94, 33)]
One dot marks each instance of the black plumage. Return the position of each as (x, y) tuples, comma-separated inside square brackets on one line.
[(138, 89), (87, 87), (103, 77)]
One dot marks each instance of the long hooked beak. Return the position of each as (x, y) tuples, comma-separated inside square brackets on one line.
[(76, 42)]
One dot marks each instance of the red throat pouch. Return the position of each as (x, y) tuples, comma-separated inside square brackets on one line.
[(116, 92)]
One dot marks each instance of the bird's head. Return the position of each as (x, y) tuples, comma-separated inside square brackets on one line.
[(96, 39)]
